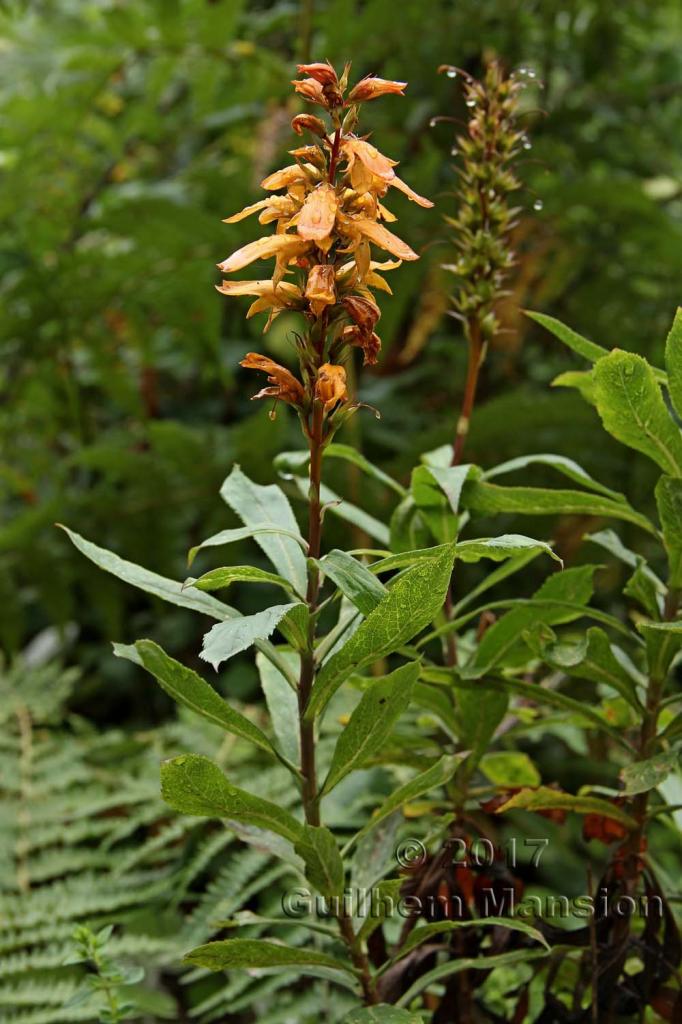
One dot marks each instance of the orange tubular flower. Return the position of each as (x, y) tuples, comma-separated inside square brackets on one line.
[(321, 288), (330, 386), (285, 386), (329, 221), (371, 87)]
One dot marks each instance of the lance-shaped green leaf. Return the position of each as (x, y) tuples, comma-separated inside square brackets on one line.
[(218, 579), (546, 799), (290, 463), (192, 784), (370, 725), (189, 689), (282, 703), (428, 931), (436, 492), (510, 768), (168, 590), (491, 499), (632, 409), (353, 579), (571, 585), (151, 582), (508, 545), (562, 464), (663, 641), (229, 638), (384, 897), (352, 455), (413, 600), (592, 658), (347, 510), (673, 362), (243, 533), (323, 864), (641, 776), (576, 342), (478, 718), (256, 504), (466, 963), (533, 692), (244, 954), (581, 380), (669, 503), (437, 775)]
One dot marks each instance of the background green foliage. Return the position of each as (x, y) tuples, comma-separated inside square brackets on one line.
[(131, 129)]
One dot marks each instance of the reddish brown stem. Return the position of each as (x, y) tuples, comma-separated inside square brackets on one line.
[(475, 345), (307, 675)]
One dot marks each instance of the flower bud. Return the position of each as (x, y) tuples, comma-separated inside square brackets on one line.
[(371, 87), (308, 122), (322, 72)]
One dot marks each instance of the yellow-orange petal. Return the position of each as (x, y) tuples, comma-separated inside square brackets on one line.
[(263, 248), (370, 156), (284, 177), (385, 239), (285, 292), (316, 219), (403, 187), (247, 211)]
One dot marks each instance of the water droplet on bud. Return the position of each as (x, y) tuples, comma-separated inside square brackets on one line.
[(538, 204), (471, 103), (527, 144), (454, 151), (451, 73), (433, 122)]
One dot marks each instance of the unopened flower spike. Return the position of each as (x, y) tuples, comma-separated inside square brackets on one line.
[(329, 216)]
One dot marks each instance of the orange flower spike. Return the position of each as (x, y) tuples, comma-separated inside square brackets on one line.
[(284, 385), (371, 87), (320, 289), (330, 386)]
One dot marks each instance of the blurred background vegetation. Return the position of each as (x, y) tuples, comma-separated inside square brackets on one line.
[(131, 128)]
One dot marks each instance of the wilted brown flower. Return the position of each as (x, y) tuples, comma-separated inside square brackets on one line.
[(308, 122), (285, 386), (368, 341)]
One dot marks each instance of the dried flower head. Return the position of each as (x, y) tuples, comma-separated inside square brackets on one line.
[(484, 219), (328, 213)]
